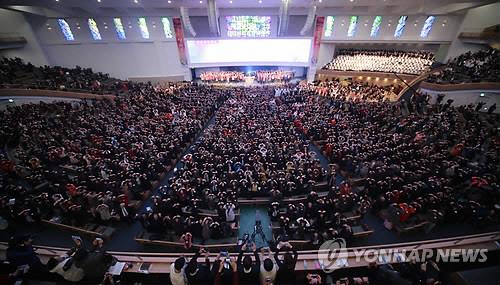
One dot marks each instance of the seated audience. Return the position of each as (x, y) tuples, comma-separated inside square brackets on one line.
[(15, 73), (87, 162), (480, 66)]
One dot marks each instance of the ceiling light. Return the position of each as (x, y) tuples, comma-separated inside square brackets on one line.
[(260, 1), (351, 0), (201, 2), (230, 2), (136, 1), (169, 1), (98, 1), (105, 27), (320, 1)]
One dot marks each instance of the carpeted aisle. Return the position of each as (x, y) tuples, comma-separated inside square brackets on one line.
[(247, 223)]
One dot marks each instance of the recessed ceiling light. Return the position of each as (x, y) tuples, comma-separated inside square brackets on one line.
[(260, 1), (98, 1), (105, 27), (320, 1), (169, 1), (230, 2), (201, 2), (351, 0), (136, 1)]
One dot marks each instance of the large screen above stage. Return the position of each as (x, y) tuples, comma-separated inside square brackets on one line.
[(249, 51)]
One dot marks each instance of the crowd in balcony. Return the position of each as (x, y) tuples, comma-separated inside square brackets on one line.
[(15, 73), (402, 62), (470, 67)]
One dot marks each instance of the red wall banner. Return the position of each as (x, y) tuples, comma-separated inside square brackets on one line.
[(318, 34), (179, 37)]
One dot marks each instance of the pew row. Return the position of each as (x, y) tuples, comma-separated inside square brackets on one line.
[(90, 230)]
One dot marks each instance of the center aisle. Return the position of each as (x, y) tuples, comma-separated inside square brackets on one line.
[(248, 216)]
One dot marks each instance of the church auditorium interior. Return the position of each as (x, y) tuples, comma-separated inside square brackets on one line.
[(259, 142)]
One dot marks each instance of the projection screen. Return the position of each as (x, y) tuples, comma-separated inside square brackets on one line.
[(292, 52)]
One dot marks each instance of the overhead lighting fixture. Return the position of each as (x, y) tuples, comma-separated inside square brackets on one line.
[(320, 1), (136, 1), (230, 2), (169, 2), (201, 2), (11, 100), (351, 0), (481, 95), (98, 1), (260, 1)]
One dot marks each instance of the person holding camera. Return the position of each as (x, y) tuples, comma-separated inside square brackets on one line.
[(199, 274), (286, 268), (227, 272), (247, 270)]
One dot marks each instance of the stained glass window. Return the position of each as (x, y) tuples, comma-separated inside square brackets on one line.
[(353, 24), (166, 28), (376, 26), (143, 27), (94, 30), (66, 30), (248, 26), (401, 26), (426, 29), (120, 31), (329, 26)]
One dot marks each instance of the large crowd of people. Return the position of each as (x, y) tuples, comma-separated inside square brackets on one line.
[(343, 90), (417, 160), (14, 72), (222, 76), (84, 162), (251, 150), (480, 66), (406, 62), (76, 163)]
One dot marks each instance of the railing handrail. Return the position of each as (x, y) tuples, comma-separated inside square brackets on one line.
[(462, 240)]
